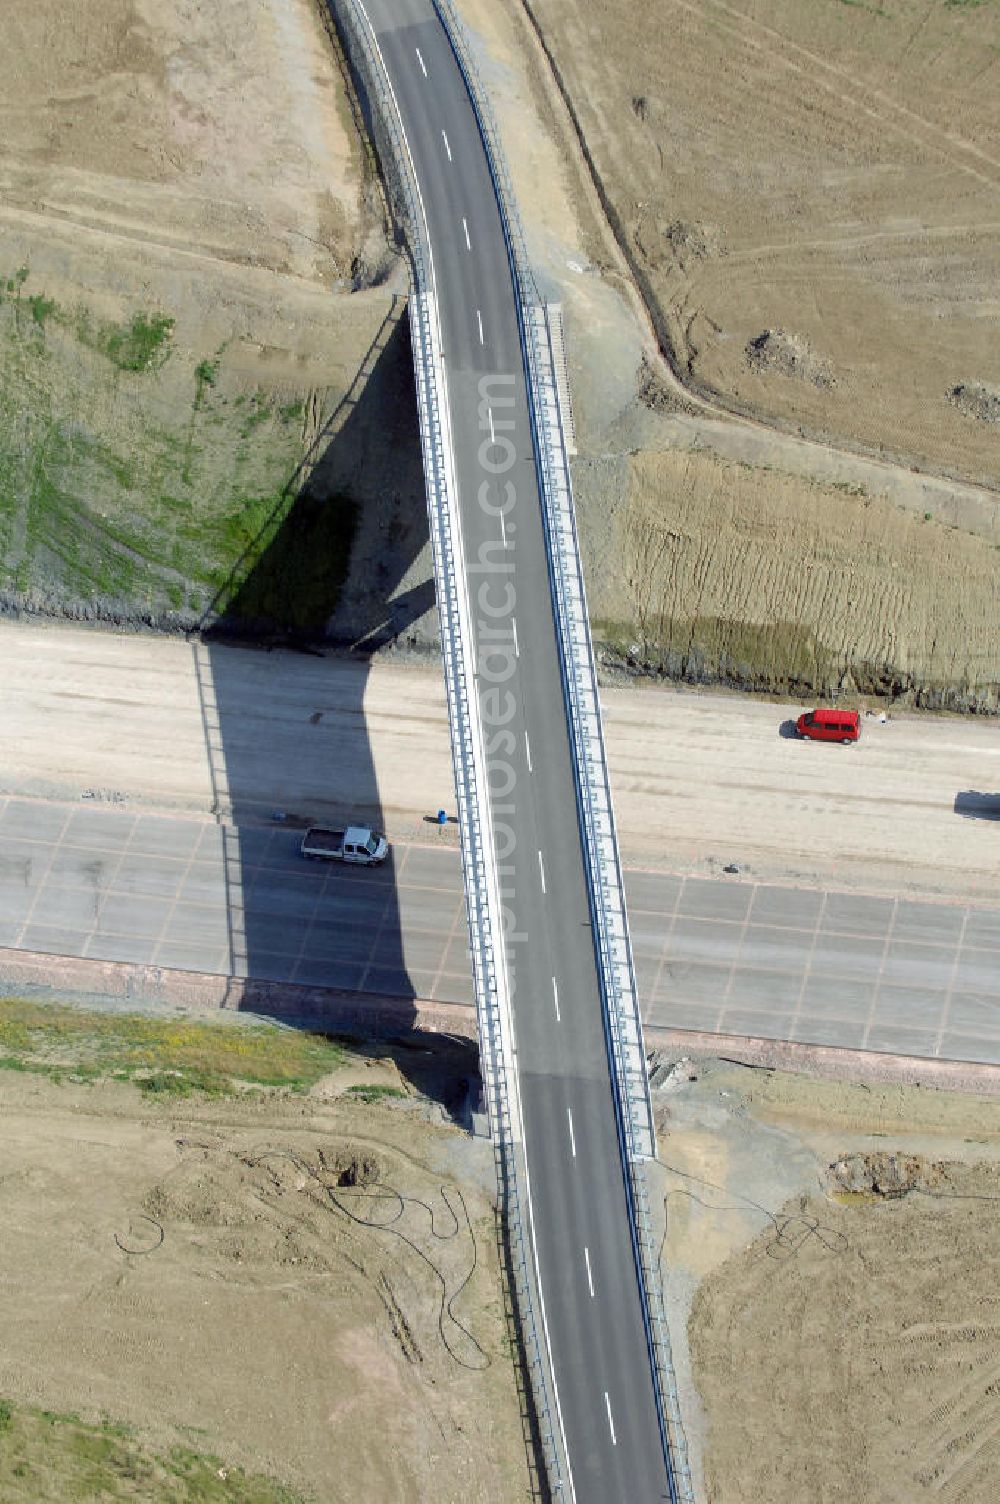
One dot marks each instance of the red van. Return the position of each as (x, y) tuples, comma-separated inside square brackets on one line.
[(826, 725)]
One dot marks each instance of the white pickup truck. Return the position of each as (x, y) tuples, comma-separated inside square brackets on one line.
[(355, 844)]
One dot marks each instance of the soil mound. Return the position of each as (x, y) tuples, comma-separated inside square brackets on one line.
[(693, 241), (775, 351), (974, 399), (353, 1167), (890, 1175), (653, 390), (675, 242)]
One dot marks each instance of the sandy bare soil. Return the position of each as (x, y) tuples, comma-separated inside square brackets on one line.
[(220, 131), (346, 1339), (196, 170), (123, 719), (844, 598), (727, 571), (808, 194), (836, 1245), (148, 174)]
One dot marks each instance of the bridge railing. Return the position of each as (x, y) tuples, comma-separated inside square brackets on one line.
[(623, 1022), (497, 1044)]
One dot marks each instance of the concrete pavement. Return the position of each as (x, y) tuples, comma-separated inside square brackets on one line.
[(168, 725), (724, 955)]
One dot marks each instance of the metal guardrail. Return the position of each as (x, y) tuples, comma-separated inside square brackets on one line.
[(573, 623), (483, 905), (623, 1021)]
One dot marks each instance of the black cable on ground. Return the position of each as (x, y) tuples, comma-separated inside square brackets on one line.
[(335, 1197), (790, 1232), (157, 1231)]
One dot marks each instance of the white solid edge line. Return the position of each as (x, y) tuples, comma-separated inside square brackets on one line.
[(590, 1277), (527, 1173), (423, 66), (541, 868), (555, 999), (611, 1424), (447, 148), (572, 1135)]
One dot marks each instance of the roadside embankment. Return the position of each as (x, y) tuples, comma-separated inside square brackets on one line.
[(709, 570)]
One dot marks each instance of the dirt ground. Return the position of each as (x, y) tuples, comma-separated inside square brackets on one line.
[(197, 168), (836, 1248), (220, 131), (660, 462), (147, 174), (733, 572), (808, 195), (306, 1287)]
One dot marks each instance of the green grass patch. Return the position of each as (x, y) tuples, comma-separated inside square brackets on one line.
[(849, 487), (374, 1093), (104, 501), (206, 374), (294, 553), (49, 1458), (165, 1057), (141, 345), (13, 284), (260, 411), (42, 308)]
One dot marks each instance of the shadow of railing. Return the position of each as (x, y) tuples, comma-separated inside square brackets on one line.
[(325, 569)]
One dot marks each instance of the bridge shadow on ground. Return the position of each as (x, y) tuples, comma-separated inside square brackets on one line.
[(320, 944)]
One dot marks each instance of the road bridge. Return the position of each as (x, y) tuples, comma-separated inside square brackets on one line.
[(480, 434)]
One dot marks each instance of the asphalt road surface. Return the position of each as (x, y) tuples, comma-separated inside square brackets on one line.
[(582, 1237), (728, 955)]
